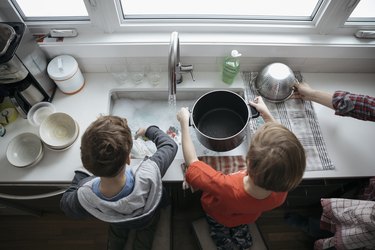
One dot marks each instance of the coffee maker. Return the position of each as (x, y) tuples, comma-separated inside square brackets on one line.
[(23, 68)]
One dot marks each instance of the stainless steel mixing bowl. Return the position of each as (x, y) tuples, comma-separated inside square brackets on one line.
[(275, 82)]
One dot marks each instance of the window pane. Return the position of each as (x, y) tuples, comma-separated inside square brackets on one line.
[(51, 9), (365, 10), (257, 9)]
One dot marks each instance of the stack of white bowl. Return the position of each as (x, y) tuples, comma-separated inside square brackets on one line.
[(25, 150), (58, 131)]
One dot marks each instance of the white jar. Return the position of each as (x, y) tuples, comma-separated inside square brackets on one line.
[(65, 72)]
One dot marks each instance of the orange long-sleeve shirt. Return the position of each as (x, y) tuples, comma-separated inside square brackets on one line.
[(224, 197)]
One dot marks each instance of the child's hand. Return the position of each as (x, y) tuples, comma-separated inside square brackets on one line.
[(259, 104), (141, 132), (183, 115)]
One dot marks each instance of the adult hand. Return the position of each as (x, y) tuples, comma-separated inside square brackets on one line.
[(304, 91)]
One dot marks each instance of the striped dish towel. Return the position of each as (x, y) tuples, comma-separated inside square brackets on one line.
[(224, 164), (300, 118)]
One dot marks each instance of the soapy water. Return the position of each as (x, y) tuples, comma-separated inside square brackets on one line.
[(162, 113)]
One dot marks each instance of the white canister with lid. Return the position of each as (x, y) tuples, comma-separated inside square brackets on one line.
[(65, 72)]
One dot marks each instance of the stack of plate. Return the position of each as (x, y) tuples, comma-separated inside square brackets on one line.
[(59, 131)]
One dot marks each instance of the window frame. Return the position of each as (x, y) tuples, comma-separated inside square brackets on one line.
[(198, 17), (330, 18), (18, 8), (105, 36)]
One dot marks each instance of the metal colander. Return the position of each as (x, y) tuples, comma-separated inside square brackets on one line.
[(275, 82)]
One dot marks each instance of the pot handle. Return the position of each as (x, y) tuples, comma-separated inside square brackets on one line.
[(190, 119), (254, 112)]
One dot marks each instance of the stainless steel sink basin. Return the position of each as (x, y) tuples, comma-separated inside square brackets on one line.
[(147, 106)]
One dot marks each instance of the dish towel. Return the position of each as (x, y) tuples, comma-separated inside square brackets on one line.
[(352, 222), (224, 164), (300, 118)]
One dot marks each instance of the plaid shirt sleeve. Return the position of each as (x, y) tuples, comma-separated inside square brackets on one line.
[(358, 106)]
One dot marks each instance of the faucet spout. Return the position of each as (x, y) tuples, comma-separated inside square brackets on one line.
[(174, 75), (175, 68)]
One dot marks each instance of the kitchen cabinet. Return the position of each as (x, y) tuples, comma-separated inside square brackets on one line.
[(309, 192), (30, 199)]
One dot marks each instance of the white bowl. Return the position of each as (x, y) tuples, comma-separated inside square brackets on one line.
[(25, 150), (59, 130), (63, 148), (38, 112)]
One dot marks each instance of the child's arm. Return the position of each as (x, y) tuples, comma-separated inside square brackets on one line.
[(69, 202), (188, 148), (262, 109), (166, 148)]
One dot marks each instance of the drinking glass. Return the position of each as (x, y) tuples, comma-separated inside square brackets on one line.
[(154, 75), (119, 72), (137, 72)]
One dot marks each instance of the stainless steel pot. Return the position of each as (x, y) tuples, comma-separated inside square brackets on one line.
[(220, 119)]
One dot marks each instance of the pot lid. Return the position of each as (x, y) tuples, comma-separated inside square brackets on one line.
[(62, 67)]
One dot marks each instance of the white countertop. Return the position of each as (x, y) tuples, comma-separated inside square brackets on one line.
[(350, 142)]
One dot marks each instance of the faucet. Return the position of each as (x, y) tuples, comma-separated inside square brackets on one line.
[(175, 69)]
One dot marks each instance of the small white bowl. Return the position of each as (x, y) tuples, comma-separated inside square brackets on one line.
[(25, 150), (38, 112), (63, 148), (59, 130)]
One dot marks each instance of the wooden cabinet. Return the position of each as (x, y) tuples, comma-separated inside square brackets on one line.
[(30, 200), (309, 192)]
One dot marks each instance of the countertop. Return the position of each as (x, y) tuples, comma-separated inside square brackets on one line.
[(350, 142)]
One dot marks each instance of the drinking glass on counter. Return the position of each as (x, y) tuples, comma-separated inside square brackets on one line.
[(137, 72), (119, 72), (154, 75)]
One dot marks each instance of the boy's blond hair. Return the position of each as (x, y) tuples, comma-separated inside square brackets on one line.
[(276, 159), (106, 146)]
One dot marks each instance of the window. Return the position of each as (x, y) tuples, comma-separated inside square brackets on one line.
[(313, 17), (235, 9), (364, 12), (51, 10)]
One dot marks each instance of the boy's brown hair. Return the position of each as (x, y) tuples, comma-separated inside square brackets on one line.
[(276, 159), (106, 146)]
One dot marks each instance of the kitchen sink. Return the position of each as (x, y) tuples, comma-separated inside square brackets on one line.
[(148, 106)]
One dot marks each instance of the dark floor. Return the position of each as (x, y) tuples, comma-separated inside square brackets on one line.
[(55, 231), (276, 233)]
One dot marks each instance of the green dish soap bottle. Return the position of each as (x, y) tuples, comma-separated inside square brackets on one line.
[(231, 67)]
